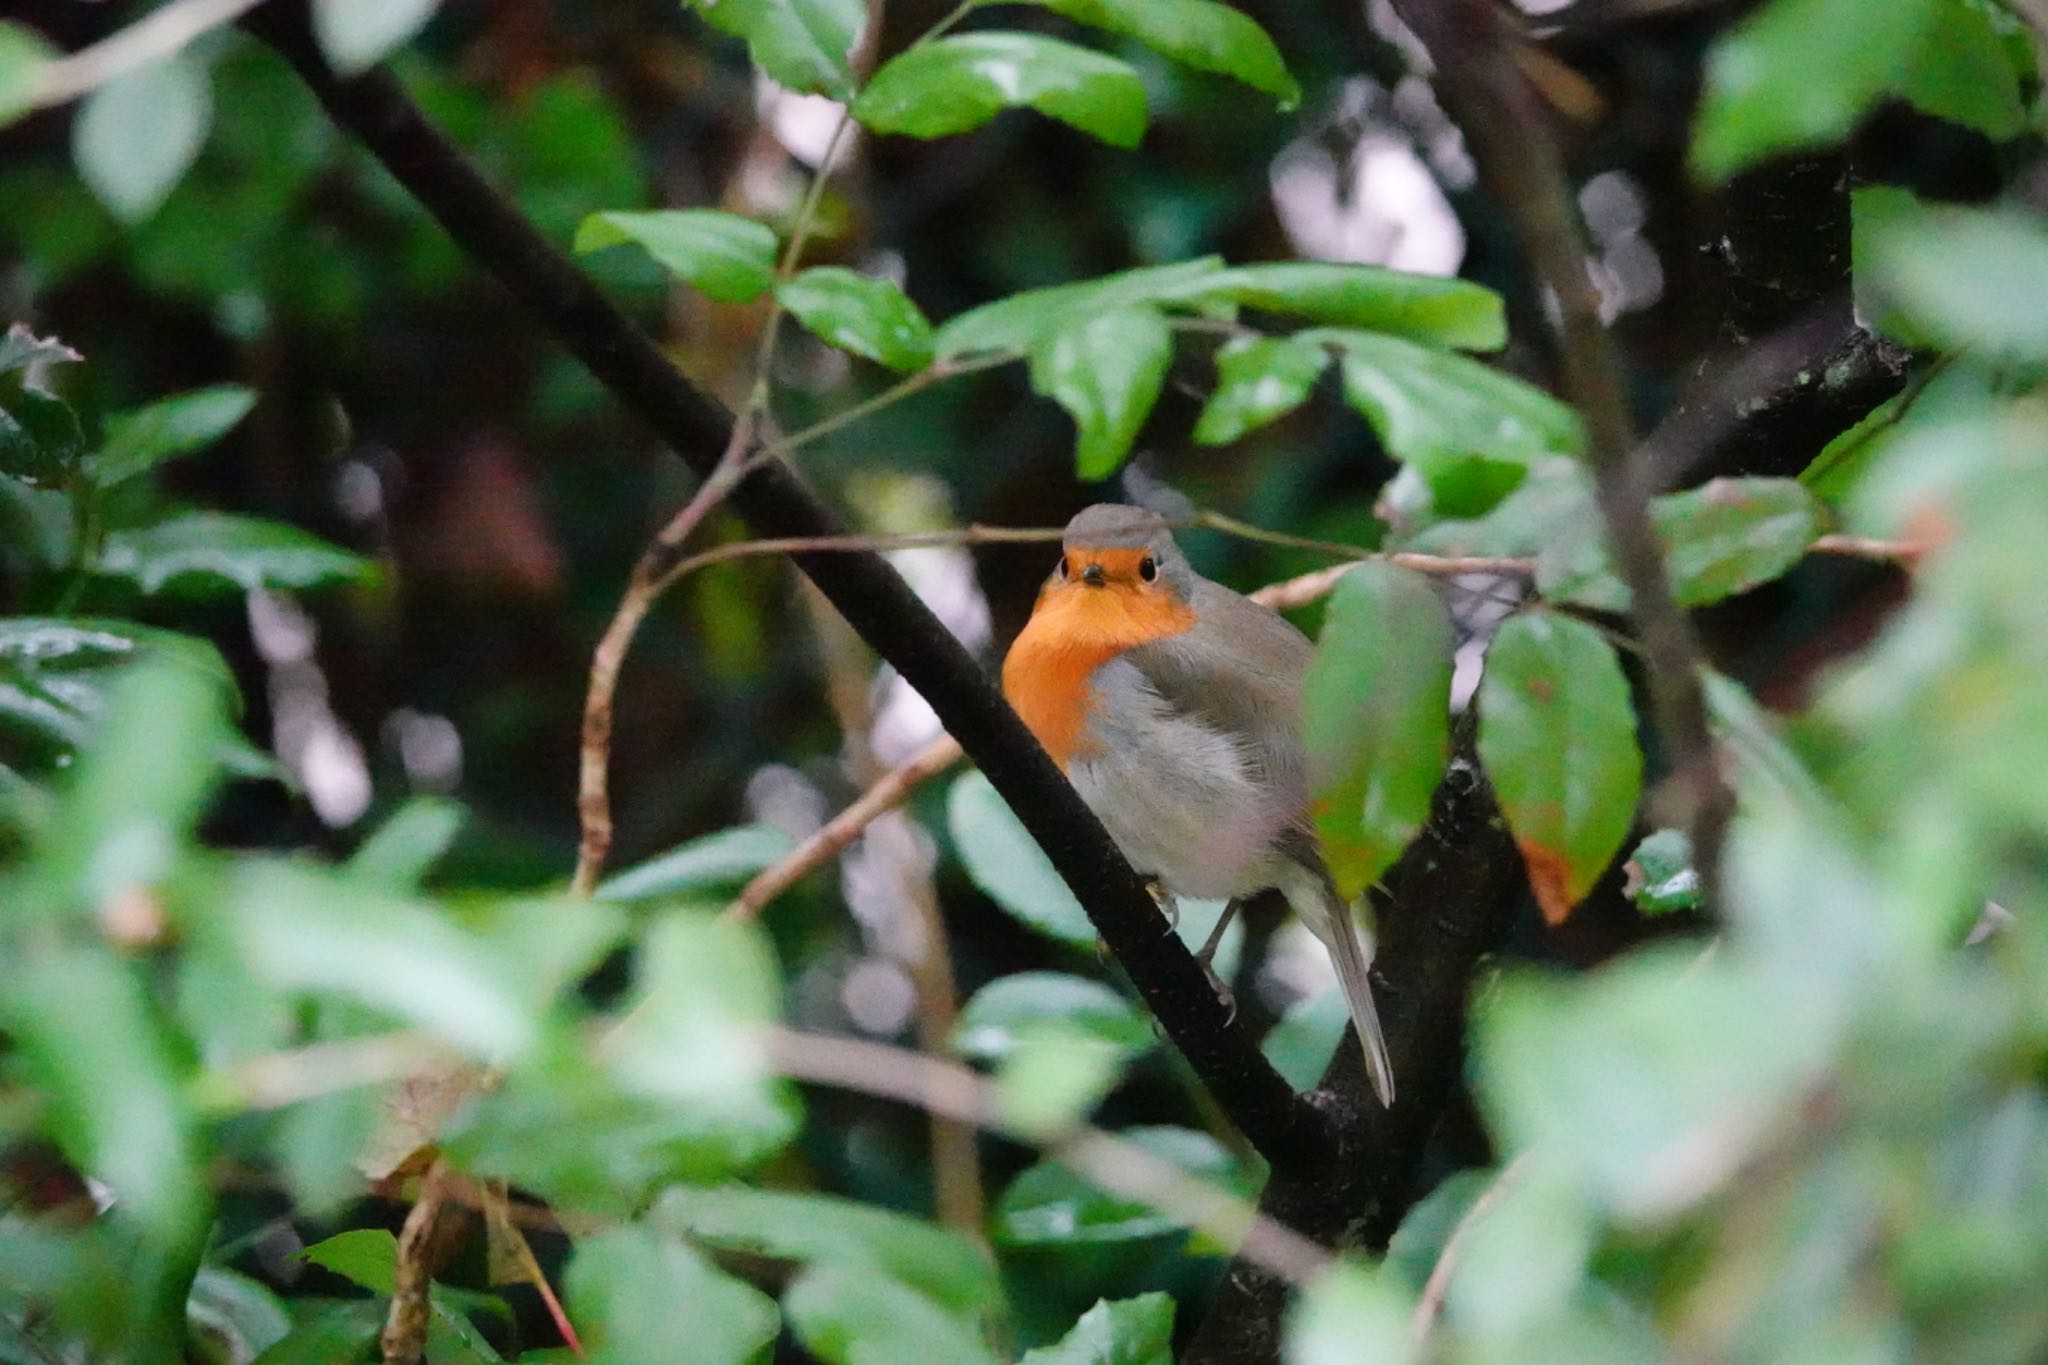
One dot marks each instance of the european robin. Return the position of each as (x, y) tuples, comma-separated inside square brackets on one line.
[(1174, 707)]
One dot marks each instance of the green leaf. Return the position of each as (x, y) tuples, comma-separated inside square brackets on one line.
[(1376, 715), (357, 34), (1661, 877), (56, 673), (859, 313), (40, 440), (625, 1285), (1107, 373), (1963, 73), (1557, 736), (819, 1229), (23, 55), (366, 1257), (1801, 73), (135, 135), (1195, 33), (1722, 538), (712, 863), (726, 256), (1258, 379), (1019, 323), (140, 440), (20, 348), (1007, 864), (210, 551), (1418, 1244), (1438, 410), (1842, 460), (1051, 1205), (995, 1020), (1425, 308), (1305, 1039), (1965, 277), (958, 83), (239, 1316), (330, 1332), (398, 856), (1054, 1078), (1135, 1331), (804, 44), (849, 1316), (1350, 1314)]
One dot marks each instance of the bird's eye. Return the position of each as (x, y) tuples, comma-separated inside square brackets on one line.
[(1061, 569), (1148, 568)]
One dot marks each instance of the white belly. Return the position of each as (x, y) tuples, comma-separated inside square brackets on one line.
[(1181, 799)]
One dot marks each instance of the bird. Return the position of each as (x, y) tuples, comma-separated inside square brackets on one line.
[(1173, 705)]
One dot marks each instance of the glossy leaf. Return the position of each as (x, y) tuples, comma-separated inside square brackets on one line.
[(1196, 33), (212, 551), (849, 1316), (1258, 379), (713, 863), (238, 1315), (1434, 408), (1107, 373), (1722, 538), (357, 34), (862, 314), (40, 440), (140, 440), (21, 349), (958, 83), (727, 257), (818, 1229), (366, 1257), (135, 135), (327, 1332), (1007, 864), (1801, 73), (1019, 323), (56, 673), (1557, 735), (1050, 1205), (1661, 877), (1000, 1013), (625, 1287), (23, 55), (804, 44), (1432, 309), (1376, 715), (1135, 1331)]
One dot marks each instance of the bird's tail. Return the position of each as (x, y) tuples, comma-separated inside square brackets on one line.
[(1348, 955)]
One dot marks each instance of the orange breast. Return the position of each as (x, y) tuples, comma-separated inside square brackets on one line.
[(1074, 630)]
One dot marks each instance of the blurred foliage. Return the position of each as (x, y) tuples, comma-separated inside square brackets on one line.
[(306, 536)]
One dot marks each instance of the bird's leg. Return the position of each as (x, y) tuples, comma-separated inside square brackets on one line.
[(1208, 951), (1163, 898)]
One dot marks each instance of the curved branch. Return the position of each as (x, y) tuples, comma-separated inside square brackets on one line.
[(375, 110)]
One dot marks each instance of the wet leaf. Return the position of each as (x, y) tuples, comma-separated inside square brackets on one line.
[(1433, 309), (727, 257), (1661, 877), (1435, 409), (40, 440), (1195, 33), (139, 441), (1107, 373), (1258, 380), (804, 44), (862, 314), (212, 551), (959, 83)]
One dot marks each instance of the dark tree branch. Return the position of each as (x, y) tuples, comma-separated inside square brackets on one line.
[(375, 110), (1447, 902)]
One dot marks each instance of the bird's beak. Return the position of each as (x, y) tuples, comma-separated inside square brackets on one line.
[(1093, 576)]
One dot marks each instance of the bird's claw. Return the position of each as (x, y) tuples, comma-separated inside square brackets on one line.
[(1168, 906)]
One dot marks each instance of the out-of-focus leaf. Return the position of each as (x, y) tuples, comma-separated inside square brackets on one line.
[(626, 1285), (993, 1021), (1558, 738), (825, 1230), (803, 44), (135, 135), (1258, 379), (23, 55), (859, 313), (849, 1316), (1107, 373), (1554, 496), (1135, 1331), (1434, 408), (1661, 877), (1054, 1076), (1962, 276), (1834, 471), (1351, 1314), (1522, 1258), (330, 1332), (958, 83), (707, 864), (1963, 73), (363, 1256), (1050, 1205), (357, 34), (1305, 1039), (1426, 308), (40, 440), (1722, 538), (1197, 33), (1018, 323), (140, 440), (728, 257), (1746, 728), (213, 551), (241, 1316), (1005, 862), (19, 347), (1419, 1242), (411, 840), (1801, 73), (1376, 714)]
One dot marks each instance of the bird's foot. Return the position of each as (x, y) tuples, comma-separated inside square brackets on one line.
[(1168, 906), (1224, 995)]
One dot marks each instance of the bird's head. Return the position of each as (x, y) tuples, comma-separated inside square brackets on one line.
[(1126, 554)]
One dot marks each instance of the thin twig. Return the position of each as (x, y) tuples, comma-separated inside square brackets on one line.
[(157, 36), (1113, 1163), (1433, 1290), (404, 1338)]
